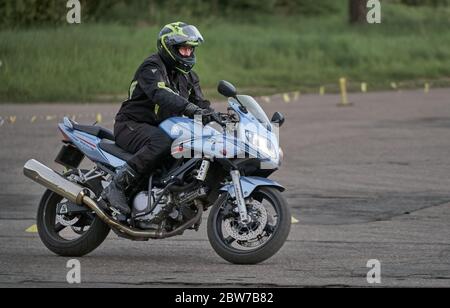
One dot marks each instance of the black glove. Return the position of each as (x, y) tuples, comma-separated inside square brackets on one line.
[(208, 117), (208, 114), (191, 110)]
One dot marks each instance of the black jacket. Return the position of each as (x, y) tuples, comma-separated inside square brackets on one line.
[(157, 94)]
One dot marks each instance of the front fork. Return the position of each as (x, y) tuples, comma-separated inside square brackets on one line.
[(236, 178)]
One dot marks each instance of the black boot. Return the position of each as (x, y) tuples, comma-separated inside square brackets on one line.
[(115, 192)]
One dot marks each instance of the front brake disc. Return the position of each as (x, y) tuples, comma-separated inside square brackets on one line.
[(242, 232)]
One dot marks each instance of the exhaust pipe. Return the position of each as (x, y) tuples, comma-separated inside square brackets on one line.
[(48, 178)]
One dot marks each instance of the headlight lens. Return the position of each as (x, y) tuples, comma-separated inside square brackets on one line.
[(261, 143)]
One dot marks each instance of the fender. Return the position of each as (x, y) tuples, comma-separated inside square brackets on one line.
[(250, 183)]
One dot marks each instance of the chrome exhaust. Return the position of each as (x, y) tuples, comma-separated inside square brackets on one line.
[(48, 178)]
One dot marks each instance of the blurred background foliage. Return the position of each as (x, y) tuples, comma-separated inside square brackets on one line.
[(16, 13), (263, 47)]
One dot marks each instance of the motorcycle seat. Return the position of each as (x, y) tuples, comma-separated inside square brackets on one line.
[(94, 130), (112, 148)]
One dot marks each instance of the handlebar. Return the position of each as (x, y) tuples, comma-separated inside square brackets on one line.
[(218, 118)]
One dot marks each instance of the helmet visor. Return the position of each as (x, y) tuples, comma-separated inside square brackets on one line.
[(188, 35)]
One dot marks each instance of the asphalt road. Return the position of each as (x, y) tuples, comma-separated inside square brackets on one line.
[(371, 181)]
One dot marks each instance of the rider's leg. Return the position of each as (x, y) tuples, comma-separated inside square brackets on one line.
[(149, 143), (115, 192)]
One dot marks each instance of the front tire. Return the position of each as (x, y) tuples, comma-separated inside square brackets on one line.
[(274, 242)]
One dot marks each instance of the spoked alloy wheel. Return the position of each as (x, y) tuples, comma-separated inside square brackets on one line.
[(68, 235), (256, 241)]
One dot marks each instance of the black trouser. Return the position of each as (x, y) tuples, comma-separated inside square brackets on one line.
[(148, 143)]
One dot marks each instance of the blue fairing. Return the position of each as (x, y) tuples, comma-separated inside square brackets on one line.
[(89, 145), (177, 126), (250, 183)]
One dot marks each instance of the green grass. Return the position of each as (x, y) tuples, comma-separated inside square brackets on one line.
[(263, 55)]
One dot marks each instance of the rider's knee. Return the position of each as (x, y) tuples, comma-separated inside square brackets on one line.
[(160, 143)]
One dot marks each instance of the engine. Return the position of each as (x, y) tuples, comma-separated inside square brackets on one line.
[(176, 206)]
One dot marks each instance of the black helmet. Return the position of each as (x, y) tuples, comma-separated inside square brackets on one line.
[(173, 36)]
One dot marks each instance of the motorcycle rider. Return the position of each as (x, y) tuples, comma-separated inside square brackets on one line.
[(163, 86)]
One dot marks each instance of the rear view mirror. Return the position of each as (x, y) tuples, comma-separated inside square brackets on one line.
[(278, 118), (226, 89)]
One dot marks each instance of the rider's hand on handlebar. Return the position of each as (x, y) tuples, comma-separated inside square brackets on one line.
[(208, 115), (205, 115), (192, 109)]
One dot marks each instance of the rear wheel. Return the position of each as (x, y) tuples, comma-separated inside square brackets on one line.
[(72, 235), (254, 242)]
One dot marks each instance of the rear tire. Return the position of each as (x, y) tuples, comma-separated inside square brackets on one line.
[(84, 244)]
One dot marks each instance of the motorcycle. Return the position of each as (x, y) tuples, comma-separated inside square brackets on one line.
[(223, 167)]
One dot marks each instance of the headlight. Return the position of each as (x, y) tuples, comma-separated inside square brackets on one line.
[(261, 143)]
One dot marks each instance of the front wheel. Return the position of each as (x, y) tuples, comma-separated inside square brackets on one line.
[(257, 241)]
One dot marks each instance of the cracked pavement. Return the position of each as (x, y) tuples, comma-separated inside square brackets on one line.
[(370, 181)]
